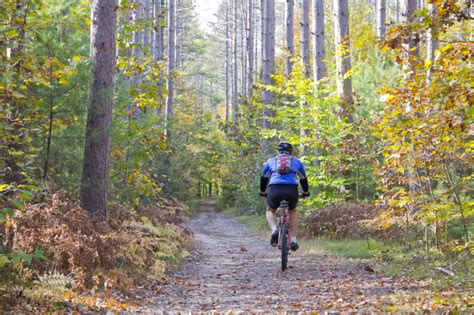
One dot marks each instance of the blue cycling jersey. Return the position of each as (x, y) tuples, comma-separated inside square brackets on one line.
[(270, 171)]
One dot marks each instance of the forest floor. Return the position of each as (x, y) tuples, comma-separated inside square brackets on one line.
[(234, 269)]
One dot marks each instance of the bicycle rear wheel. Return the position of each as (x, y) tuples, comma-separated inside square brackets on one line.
[(284, 247)]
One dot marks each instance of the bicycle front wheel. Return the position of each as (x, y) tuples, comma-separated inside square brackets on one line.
[(284, 247)]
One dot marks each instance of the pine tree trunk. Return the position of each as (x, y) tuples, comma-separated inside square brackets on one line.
[(235, 110), (243, 49), (146, 30), (158, 45), (432, 33), (227, 63), (171, 62), (99, 109), (268, 65), (178, 35), (343, 57), (250, 48), (409, 17), (305, 37), (319, 50), (290, 41), (381, 19)]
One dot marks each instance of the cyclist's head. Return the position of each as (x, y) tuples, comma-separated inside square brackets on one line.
[(285, 147)]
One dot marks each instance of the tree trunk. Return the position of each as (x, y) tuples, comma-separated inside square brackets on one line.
[(381, 19), (305, 38), (235, 109), (99, 109), (171, 63), (319, 50), (146, 29), (290, 42), (158, 43), (432, 34), (408, 15), (268, 65), (250, 48), (343, 56), (227, 62), (178, 35), (243, 54), (263, 4)]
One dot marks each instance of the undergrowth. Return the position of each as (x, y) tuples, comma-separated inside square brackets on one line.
[(132, 248)]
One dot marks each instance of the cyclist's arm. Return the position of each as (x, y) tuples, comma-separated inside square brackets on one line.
[(265, 178), (303, 179)]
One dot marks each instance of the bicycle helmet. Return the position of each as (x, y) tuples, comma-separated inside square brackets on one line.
[(285, 147)]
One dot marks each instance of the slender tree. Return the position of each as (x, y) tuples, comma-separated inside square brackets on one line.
[(227, 62), (381, 19), (343, 56), (243, 47), (319, 50), (268, 64), (235, 109), (305, 37), (409, 9), (290, 45), (432, 36), (171, 62), (99, 109), (250, 47)]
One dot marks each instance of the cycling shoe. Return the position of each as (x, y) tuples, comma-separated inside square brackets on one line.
[(274, 238), (294, 246)]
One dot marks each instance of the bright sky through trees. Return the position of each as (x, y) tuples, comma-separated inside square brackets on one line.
[(206, 10)]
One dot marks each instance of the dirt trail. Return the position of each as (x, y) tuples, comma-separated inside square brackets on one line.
[(233, 269)]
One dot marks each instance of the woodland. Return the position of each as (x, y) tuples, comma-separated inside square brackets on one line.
[(120, 117)]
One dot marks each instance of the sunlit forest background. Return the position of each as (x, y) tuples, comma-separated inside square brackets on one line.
[(375, 95)]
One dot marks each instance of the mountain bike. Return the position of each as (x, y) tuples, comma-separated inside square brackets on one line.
[(284, 237)]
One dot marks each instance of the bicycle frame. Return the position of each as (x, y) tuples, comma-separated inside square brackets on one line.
[(284, 220)]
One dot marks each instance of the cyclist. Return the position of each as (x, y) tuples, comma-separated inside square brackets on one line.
[(280, 174)]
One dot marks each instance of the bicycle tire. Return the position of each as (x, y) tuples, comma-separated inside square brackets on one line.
[(284, 247)]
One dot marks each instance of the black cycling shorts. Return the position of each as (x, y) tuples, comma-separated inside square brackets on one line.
[(277, 193)]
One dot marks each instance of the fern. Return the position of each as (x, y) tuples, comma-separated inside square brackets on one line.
[(55, 281)]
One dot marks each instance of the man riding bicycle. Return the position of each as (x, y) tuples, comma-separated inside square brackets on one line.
[(280, 174)]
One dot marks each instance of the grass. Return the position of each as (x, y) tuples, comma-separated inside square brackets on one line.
[(395, 260), (351, 248)]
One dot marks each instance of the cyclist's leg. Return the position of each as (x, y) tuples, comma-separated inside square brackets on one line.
[(273, 202), (293, 223), (293, 202), (271, 218)]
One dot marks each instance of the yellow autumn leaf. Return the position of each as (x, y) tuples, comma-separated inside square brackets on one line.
[(76, 58)]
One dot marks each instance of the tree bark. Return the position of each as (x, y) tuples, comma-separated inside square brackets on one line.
[(432, 33), (99, 109), (250, 48), (409, 9), (290, 41), (235, 109), (227, 62), (305, 37), (343, 56), (268, 65), (171, 63), (243, 48), (319, 50), (178, 35), (381, 19)]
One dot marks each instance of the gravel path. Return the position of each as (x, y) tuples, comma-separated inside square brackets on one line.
[(234, 269)]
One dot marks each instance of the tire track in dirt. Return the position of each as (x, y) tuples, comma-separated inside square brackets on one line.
[(234, 269)]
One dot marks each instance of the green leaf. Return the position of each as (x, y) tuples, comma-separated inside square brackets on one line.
[(3, 260), (39, 253), (26, 194), (9, 212), (17, 204)]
